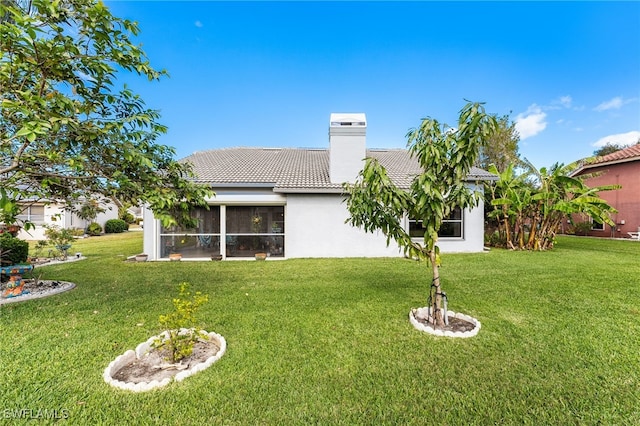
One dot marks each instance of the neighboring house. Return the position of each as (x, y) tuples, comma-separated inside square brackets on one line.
[(136, 212), (289, 203), (618, 168), (54, 214)]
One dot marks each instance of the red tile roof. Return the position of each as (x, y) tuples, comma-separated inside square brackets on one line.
[(630, 153)]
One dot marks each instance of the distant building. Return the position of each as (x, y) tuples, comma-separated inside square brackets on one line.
[(43, 214), (618, 168)]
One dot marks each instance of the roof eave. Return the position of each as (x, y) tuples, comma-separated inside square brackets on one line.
[(238, 184), (482, 178), (317, 190), (603, 164)]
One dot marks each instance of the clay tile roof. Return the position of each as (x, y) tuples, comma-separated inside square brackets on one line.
[(630, 153), (295, 169)]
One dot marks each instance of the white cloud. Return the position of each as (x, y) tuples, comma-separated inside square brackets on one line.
[(531, 123), (84, 76), (561, 102), (566, 101), (198, 24), (615, 103), (624, 139)]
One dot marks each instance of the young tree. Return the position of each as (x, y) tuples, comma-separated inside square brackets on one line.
[(90, 210), (446, 156), (67, 131)]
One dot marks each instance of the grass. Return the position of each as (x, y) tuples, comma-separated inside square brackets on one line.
[(328, 341)]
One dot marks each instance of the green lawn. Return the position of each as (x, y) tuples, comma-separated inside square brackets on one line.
[(329, 342)]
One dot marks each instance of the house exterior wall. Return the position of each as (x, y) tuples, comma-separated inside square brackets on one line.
[(315, 227), (626, 200)]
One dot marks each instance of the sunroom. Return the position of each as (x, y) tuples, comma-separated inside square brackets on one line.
[(228, 231)]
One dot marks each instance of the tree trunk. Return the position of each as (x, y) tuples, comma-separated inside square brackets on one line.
[(531, 243), (520, 227), (506, 227), (436, 301)]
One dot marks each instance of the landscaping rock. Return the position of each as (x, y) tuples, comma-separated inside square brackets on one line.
[(460, 325), (146, 368)]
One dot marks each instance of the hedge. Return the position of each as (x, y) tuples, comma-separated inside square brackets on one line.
[(115, 226), (14, 250)]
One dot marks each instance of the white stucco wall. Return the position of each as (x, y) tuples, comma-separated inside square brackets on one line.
[(315, 227), (54, 215), (347, 146)]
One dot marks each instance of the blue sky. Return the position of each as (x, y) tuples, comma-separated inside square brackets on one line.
[(270, 73)]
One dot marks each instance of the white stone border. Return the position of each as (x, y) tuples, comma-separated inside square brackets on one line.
[(130, 356), (423, 313), (64, 286)]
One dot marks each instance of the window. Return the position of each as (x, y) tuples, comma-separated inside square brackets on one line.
[(452, 226), (203, 241), (597, 226), (254, 229), (33, 214)]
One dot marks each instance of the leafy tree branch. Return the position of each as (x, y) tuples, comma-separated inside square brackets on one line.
[(68, 130)]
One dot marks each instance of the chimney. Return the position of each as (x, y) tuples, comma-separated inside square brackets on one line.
[(347, 146)]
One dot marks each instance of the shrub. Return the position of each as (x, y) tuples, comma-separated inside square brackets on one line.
[(124, 214), (181, 336), (128, 217), (94, 229), (60, 238), (77, 232), (90, 210), (582, 228), (115, 226), (40, 246), (12, 250), (494, 239)]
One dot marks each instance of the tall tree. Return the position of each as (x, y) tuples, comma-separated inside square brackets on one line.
[(67, 130), (446, 156), (501, 149), (609, 148)]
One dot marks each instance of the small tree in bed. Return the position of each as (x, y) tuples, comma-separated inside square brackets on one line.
[(446, 156)]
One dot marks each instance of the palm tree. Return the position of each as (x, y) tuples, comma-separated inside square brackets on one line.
[(89, 211)]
